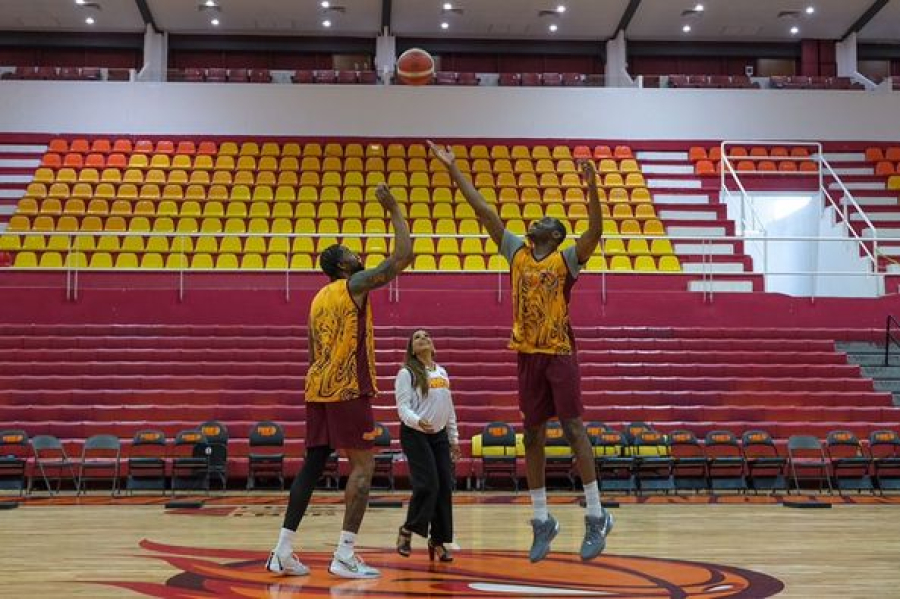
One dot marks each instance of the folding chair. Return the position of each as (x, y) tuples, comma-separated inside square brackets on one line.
[(384, 456), (725, 461), (807, 461), (50, 455), (765, 466), (688, 461), (216, 435), (614, 462), (266, 459), (13, 460), (849, 462), (331, 476), (652, 462), (190, 462), (100, 454), (593, 430), (884, 447), (147, 462), (558, 454), (498, 453)]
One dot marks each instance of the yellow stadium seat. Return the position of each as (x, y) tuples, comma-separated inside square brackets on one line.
[(260, 210), (618, 195), (471, 246), (224, 163), (613, 180), (152, 260), (158, 244), (374, 178), (375, 225), (310, 178), (560, 152), (301, 262), (424, 262), (202, 261), (354, 244), (227, 262), (255, 245), (235, 225), (291, 149), (635, 180), (10, 243), (619, 263), (640, 194), (59, 190), (508, 211), (518, 152), (74, 206), (101, 260), (211, 225), (419, 211), (464, 211), (26, 260), (333, 149), (447, 245), (44, 175), (252, 262), (236, 210), (469, 226), (416, 151), (139, 224), (445, 226), (423, 245), (187, 225), (396, 150), (267, 163), (653, 227), (622, 211), (473, 262), (262, 193), (207, 245), (449, 262), (609, 227), (892, 183), (127, 260), (532, 212), (228, 148), (133, 244), (630, 227), (308, 193), (374, 163), (76, 260), (669, 263), (595, 263), (43, 223), (629, 165), (322, 243), (19, 223), (644, 263), (36, 190), (439, 211), (258, 226), (496, 263), (276, 262), (231, 245), (353, 163), (33, 242), (191, 208), (660, 247), (375, 245), (422, 226), (199, 178), (612, 247), (108, 243), (203, 162), (289, 163), (516, 226), (502, 166), (638, 247)]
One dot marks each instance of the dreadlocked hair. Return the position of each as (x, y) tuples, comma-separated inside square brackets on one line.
[(329, 260), (416, 368)]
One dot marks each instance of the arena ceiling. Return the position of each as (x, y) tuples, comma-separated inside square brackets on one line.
[(583, 20)]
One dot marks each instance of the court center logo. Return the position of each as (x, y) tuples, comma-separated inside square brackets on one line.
[(474, 575)]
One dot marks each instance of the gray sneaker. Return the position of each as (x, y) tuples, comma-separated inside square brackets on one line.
[(595, 533), (544, 533)]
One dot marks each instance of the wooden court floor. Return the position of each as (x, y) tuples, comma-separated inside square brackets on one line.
[(98, 548)]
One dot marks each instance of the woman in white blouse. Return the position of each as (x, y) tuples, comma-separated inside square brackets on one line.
[(430, 441)]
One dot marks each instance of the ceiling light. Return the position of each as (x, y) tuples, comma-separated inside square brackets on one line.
[(210, 3), (79, 2), (325, 4), (686, 28), (795, 30), (448, 6), (214, 22), (89, 20), (699, 8), (810, 10), (561, 8), (326, 23), (553, 27), (445, 25)]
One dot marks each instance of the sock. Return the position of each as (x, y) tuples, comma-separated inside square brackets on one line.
[(592, 499), (285, 545), (539, 503), (345, 545)]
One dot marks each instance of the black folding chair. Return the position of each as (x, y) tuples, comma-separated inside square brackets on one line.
[(147, 462), (190, 462), (688, 461), (614, 462), (558, 454), (884, 447), (849, 462), (100, 460), (384, 456), (266, 459), (652, 463), (50, 456), (765, 466), (216, 435), (808, 462), (725, 461), (498, 453), (14, 454)]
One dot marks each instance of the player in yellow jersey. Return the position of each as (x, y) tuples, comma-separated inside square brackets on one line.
[(340, 385), (549, 382)]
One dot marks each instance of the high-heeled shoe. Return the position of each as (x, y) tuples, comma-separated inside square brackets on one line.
[(443, 554), (404, 542)]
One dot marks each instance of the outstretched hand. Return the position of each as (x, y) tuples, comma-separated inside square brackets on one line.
[(442, 153), (588, 170), (385, 197)]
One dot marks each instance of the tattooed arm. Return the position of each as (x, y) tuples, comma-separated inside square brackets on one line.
[(365, 281)]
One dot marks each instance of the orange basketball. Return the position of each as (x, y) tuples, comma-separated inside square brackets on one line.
[(415, 67)]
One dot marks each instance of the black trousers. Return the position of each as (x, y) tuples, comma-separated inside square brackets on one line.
[(431, 476)]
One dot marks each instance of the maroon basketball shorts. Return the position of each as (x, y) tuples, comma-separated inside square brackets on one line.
[(549, 385), (340, 424)]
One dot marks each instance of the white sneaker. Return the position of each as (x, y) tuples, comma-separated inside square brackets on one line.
[(286, 566), (352, 567)]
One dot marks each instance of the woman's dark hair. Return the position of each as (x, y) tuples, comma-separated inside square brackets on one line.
[(416, 368)]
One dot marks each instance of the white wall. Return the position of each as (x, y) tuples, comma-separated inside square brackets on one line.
[(579, 113)]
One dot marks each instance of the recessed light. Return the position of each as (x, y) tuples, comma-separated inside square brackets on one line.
[(795, 30), (448, 6), (561, 8), (699, 8), (80, 2), (89, 20), (686, 28), (810, 10), (210, 3), (325, 4), (214, 22), (445, 25), (326, 23), (553, 27)]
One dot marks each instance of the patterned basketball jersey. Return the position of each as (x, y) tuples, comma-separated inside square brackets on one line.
[(344, 367), (541, 303)]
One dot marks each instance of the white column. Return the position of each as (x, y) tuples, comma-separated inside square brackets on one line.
[(617, 62), (385, 56), (156, 56), (845, 52)]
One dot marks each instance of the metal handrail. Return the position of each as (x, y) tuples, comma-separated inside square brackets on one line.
[(888, 338)]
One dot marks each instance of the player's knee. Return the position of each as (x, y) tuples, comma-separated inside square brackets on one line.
[(534, 437), (573, 430)]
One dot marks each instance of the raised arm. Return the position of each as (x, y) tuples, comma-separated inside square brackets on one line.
[(366, 280), (589, 239), (487, 215)]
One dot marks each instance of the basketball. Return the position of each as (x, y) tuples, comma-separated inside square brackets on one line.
[(415, 67)]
